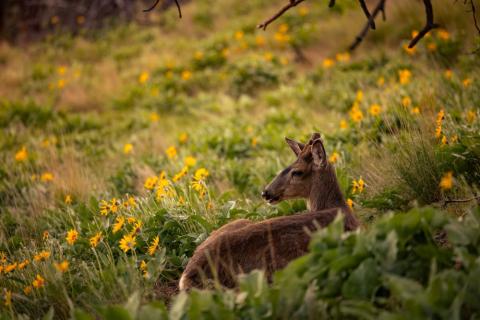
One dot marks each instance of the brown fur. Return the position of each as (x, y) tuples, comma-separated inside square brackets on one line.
[(242, 245)]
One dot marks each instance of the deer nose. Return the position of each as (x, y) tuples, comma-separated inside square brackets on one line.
[(266, 195)]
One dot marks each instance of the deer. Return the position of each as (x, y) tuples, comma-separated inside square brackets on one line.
[(243, 245)]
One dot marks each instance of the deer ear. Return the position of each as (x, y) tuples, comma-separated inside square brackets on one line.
[(296, 146), (318, 154), (314, 137)]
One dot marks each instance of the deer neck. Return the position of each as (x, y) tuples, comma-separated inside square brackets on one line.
[(325, 192)]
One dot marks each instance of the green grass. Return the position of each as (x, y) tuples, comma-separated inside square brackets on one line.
[(216, 89)]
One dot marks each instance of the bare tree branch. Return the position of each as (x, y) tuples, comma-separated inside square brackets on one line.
[(331, 4), (474, 15), (152, 7), (364, 7), (292, 4), (156, 3), (429, 25), (380, 7)]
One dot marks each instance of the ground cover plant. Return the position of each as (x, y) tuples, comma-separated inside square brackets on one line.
[(122, 149)]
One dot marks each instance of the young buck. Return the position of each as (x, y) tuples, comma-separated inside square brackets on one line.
[(242, 245)]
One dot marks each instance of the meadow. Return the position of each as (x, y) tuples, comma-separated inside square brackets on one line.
[(122, 149)]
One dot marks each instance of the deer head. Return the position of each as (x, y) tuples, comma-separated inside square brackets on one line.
[(310, 176)]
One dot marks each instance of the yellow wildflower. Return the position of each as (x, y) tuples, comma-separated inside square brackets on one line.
[(21, 154), (113, 205), (358, 185), (355, 113), (467, 82), (42, 256), (432, 47), (143, 77), (119, 222), (61, 70), (328, 63), (46, 177), (350, 203), (68, 199), (415, 110), (443, 34), (150, 183), (61, 83), (444, 140), (181, 174), (153, 246), (375, 110), (238, 35), (104, 208), (10, 267), (72, 236), (201, 174), (268, 56), (404, 76), (198, 55), (438, 129), (260, 41), (38, 282), (414, 33), (190, 161), (334, 157), (446, 182), (94, 241), (283, 28), (471, 116), (281, 38), (45, 235), (183, 138), (410, 51), (406, 102), (171, 152), (62, 266), (27, 290), (127, 243), (448, 74), (254, 142), (303, 11), (154, 117), (342, 57), (359, 96), (127, 148), (143, 265), (23, 264), (343, 124), (454, 139), (186, 75)]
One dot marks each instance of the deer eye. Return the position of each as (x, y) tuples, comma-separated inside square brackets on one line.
[(297, 173)]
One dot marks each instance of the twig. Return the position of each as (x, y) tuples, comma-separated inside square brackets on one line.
[(364, 7), (429, 25), (445, 202), (331, 4), (472, 5), (156, 3), (380, 7), (152, 7), (290, 5)]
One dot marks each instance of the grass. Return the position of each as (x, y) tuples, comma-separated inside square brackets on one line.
[(87, 122)]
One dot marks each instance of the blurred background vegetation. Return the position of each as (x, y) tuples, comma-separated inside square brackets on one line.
[(127, 137)]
